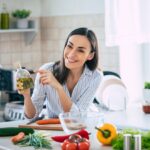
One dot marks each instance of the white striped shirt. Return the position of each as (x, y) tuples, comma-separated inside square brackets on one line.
[(82, 94)]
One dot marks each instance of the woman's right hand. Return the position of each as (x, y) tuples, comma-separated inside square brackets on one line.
[(47, 77)]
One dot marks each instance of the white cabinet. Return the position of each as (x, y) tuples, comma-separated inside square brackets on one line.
[(29, 33)]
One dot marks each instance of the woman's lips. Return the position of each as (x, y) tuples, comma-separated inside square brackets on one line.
[(71, 61)]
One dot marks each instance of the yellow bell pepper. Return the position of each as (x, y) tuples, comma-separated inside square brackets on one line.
[(106, 133)]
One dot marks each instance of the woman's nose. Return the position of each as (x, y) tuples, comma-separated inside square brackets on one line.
[(72, 53)]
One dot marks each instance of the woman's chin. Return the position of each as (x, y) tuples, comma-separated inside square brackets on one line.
[(70, 65)]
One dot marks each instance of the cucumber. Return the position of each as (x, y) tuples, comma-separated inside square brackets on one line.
[(11, 131)]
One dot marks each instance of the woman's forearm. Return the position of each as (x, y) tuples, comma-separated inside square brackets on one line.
[(65, 101), (47, 77), (29, 108)]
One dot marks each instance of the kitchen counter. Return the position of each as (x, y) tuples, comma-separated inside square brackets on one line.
[(133, 117), (6, 144)]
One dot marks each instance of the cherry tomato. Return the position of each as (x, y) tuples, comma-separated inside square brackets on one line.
[(71, 146), (75, 142), (86, 140), (83, 144), (74, 137), (63, 145)]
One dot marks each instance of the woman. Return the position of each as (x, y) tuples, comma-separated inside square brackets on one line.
[(69, 84)]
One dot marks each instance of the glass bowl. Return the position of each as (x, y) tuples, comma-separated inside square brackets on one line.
[(74, 121)]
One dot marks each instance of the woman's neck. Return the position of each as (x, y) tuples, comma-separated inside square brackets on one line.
[(75, 73), (73, 78)]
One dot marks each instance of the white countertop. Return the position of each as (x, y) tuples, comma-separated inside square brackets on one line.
[(132, 117), (6, 144)]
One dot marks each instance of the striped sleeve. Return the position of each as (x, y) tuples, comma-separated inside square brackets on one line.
[(39, 95)]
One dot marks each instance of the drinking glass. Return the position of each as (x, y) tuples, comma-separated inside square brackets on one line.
[(74, 121)]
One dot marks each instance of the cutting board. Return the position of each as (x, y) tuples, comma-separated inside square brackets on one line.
[(56, 127)]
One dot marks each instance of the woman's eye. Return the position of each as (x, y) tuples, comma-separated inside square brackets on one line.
[(69, 46), (81, 50)]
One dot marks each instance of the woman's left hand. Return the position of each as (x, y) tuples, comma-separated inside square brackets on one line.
[(47, 77)]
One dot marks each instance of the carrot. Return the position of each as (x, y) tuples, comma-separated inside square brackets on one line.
[(17, 138), (48, 121)]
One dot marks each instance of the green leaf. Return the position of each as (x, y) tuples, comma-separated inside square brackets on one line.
[(117, 143), (21, 13), (147, 85)]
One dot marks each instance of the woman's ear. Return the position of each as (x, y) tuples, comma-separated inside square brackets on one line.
[(91, 55)]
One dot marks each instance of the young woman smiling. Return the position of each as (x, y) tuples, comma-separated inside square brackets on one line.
[(68, 84)]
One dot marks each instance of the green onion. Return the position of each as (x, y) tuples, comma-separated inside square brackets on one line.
[(36, 140)]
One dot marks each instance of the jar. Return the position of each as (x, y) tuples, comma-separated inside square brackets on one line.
[(24, 80)]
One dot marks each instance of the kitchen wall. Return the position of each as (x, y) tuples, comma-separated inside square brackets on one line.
[(56, 28), (13, 46), (56, 19), (71, 7), (61, 17)]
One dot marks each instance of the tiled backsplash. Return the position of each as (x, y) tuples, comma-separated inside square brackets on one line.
[(49, 42)]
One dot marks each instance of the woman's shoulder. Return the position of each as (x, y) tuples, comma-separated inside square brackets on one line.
[(95, 77), (98, 73), (93, 73), (47, 66)]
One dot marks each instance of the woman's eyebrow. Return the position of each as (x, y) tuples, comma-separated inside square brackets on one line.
[(70, 42), (81, 47)]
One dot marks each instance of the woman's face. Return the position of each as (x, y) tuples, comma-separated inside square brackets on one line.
[(77, 52)]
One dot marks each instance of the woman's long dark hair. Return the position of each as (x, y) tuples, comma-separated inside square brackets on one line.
[(59, 69)]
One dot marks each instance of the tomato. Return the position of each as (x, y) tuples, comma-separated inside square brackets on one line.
[(74, 137), (83, 146), (71, 146), (63, 145), (75, 142)]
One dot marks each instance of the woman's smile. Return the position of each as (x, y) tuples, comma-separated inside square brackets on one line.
[(71, 60)]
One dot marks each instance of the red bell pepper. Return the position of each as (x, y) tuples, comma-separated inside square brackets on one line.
[(83, 133)]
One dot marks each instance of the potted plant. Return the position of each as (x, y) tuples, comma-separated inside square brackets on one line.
[(146, 92), (21, 15)]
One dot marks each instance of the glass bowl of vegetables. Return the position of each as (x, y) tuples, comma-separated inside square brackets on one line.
[(72, 122)]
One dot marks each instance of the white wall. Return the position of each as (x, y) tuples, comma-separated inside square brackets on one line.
[(71, 7), (56, 7), (33, 5), (146, 62), (131, 70)]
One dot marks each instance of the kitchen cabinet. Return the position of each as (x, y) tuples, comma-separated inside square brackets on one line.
[(29, 33)]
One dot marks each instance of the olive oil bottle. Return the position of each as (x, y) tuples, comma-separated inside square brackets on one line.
[(4, 17), (23, 79)]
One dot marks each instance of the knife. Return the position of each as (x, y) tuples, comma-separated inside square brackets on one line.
[(36, 119)]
